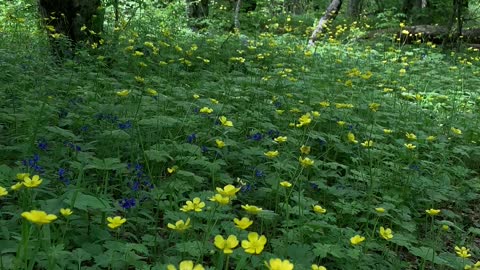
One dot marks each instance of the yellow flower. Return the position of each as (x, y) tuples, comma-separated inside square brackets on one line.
[(195, 205), (3, 191), (315, 114), (318, 267), (66, 212), (305, 149), (405, 32), (39, 217), (386, 233), (171, 170), (220, 143), (35, 181), (324, 104), (445, 227), (123, 93), (278, 264), (186, 265), (387, 131), (285, 184), (152, 92), (367, 144), (225, 122), (271, 154), (21, 176), (431, 138), (304, 120), (410, 146), (380, 210), (373, 106), (357, 239), (17, 186), (214, 101), (252, 209), (433, 212), (139, 79), (243, 223), (220, 199), (318, 209), (226, 245), (115, 222), (195, 96), (475, 266), (411, 136), (228, 190), (206, 110), (280, 139), (254, 244), (180, 225), (306, 162), (280, 111), (462, 252), (341, 123), (456, 131), (351, 138)]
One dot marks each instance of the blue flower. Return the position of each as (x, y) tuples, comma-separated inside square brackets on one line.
[(259, 173), (191, 138), (257, 137), (128, 203), (42, 145), (63, 177), (33, 164), (126, 125)]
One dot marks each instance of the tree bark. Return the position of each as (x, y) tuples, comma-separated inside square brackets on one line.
[(330, 14), (354, 8), (196, 11), (236, 16)]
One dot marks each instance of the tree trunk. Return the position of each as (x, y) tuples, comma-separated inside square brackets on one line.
[(78, 20), (354, 8), (330, 14), (236, 16), (196, 11)]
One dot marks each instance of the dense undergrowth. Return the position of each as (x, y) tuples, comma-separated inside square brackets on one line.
[(337, 145)]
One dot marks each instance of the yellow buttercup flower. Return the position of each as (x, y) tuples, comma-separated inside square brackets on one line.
[(123, 93), (351, 138), (462, 252), (66, 212), (254, 244), (243, 223), (220, 199), (475, 266), (206, 110), (225, 122), (367, 144), (285, 184), (17, 186), (252, 209), (387, 131), (280, 139), (115, 222), (432, 212), (411, 136), (431, 138), (195, 96), (278, 264), (228, 190), (194, 205), (386, 233), (39, 217), (171, 170), (306, 162), (373, 106), (324, 104), (456, 131), (304, 120), (318, 267), (180, 225), (227, 245), (35, 181), (341, 123), (21, 176), (220, 143), (305, 150), (3, 191), (410, 146), (186, 265), (318, 209), (357, 239), (214, 101), (272, 154), (380, 210)]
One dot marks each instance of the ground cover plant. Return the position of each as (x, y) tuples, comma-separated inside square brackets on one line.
[(163, 148)]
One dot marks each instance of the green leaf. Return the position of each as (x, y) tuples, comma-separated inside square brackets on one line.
[(105, 164), (80, 255), (193, 248), (159, 156), (160, 121), (62, 132), (87, 202)]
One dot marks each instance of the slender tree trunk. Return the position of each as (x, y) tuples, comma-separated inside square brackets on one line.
[(330, 14), (354, 8), (236, 16), (196, 11)]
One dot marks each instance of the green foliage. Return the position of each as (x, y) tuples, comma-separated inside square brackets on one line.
[(138, 128)]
